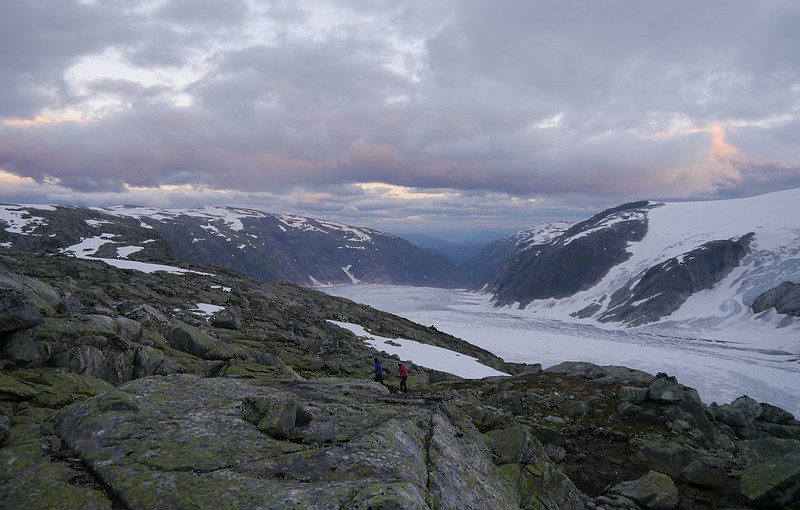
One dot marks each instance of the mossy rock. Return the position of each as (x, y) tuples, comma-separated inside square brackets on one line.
[(654, 491), (774, 483), (14, 388)]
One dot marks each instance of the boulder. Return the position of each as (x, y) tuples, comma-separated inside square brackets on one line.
[(226, 320), (274, 414), (633, 394), (515, 444), (21, 350), (637, 414), (18, 311), (654, 491), (749, 407), (698, 474), (190, 340), (774, 414), (774, 483), (605, 374), (665, 389)]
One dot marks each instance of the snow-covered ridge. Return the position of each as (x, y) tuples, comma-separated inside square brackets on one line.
[(608, 221), (526, 238), (296, 222), (233, 217), (676, 228), (230, 216)]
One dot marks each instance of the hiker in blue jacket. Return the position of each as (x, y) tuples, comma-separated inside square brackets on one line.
[(378, 371)]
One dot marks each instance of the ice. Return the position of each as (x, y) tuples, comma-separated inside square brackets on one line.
[(424, 355), (721, 370)]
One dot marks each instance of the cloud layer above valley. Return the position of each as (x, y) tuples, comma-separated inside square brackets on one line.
[(389, 113)]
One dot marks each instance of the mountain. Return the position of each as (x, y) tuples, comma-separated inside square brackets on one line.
[(682, 263), (189, 387), (488, 259), (267, 247)]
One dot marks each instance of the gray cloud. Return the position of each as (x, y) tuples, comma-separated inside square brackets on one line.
[(576, 104)]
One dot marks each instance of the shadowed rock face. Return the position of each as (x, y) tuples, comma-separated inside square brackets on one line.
[(574, 261), (663, 288), (785, 298)]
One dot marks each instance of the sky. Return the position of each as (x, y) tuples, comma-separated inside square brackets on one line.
[(437, 117)]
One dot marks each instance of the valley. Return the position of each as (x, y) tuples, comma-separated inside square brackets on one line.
[(722, 365)]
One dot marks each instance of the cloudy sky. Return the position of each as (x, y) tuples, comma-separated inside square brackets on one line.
[(432, 116)]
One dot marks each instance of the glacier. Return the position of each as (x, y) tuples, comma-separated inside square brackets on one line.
[(731, 363)]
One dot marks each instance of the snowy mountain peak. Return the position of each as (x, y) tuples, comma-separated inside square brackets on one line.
[(673, 264)]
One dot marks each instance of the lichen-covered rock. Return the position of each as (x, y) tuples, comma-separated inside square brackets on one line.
[(606, 374), (272, 414), (654, 491), (226, 320), (698, 474), (665, 389), (515, 444), (749, 407), (632, 394), (17, 311), (774, 414), (181, 441), (21, 350), (190, 340), (774, 483)]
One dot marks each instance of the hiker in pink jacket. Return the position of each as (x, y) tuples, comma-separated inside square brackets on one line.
[(402, 373)]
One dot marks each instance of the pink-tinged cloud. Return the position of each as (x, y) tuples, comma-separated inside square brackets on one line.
[(580, 102), (42, 121)]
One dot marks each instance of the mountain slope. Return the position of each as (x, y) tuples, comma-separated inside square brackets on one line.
[(497, 252), (268, 247), (693, 263)]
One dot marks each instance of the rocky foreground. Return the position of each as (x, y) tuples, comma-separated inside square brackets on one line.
[(118, 391)]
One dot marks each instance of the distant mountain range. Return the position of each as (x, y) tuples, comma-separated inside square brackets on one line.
[(267, 247), (693, 263)]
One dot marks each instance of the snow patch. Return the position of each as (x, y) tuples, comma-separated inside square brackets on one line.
[(88, 246), (429, 356), (346, 270), (20, 218), (124, 251), (207, 309), (96, 223)]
